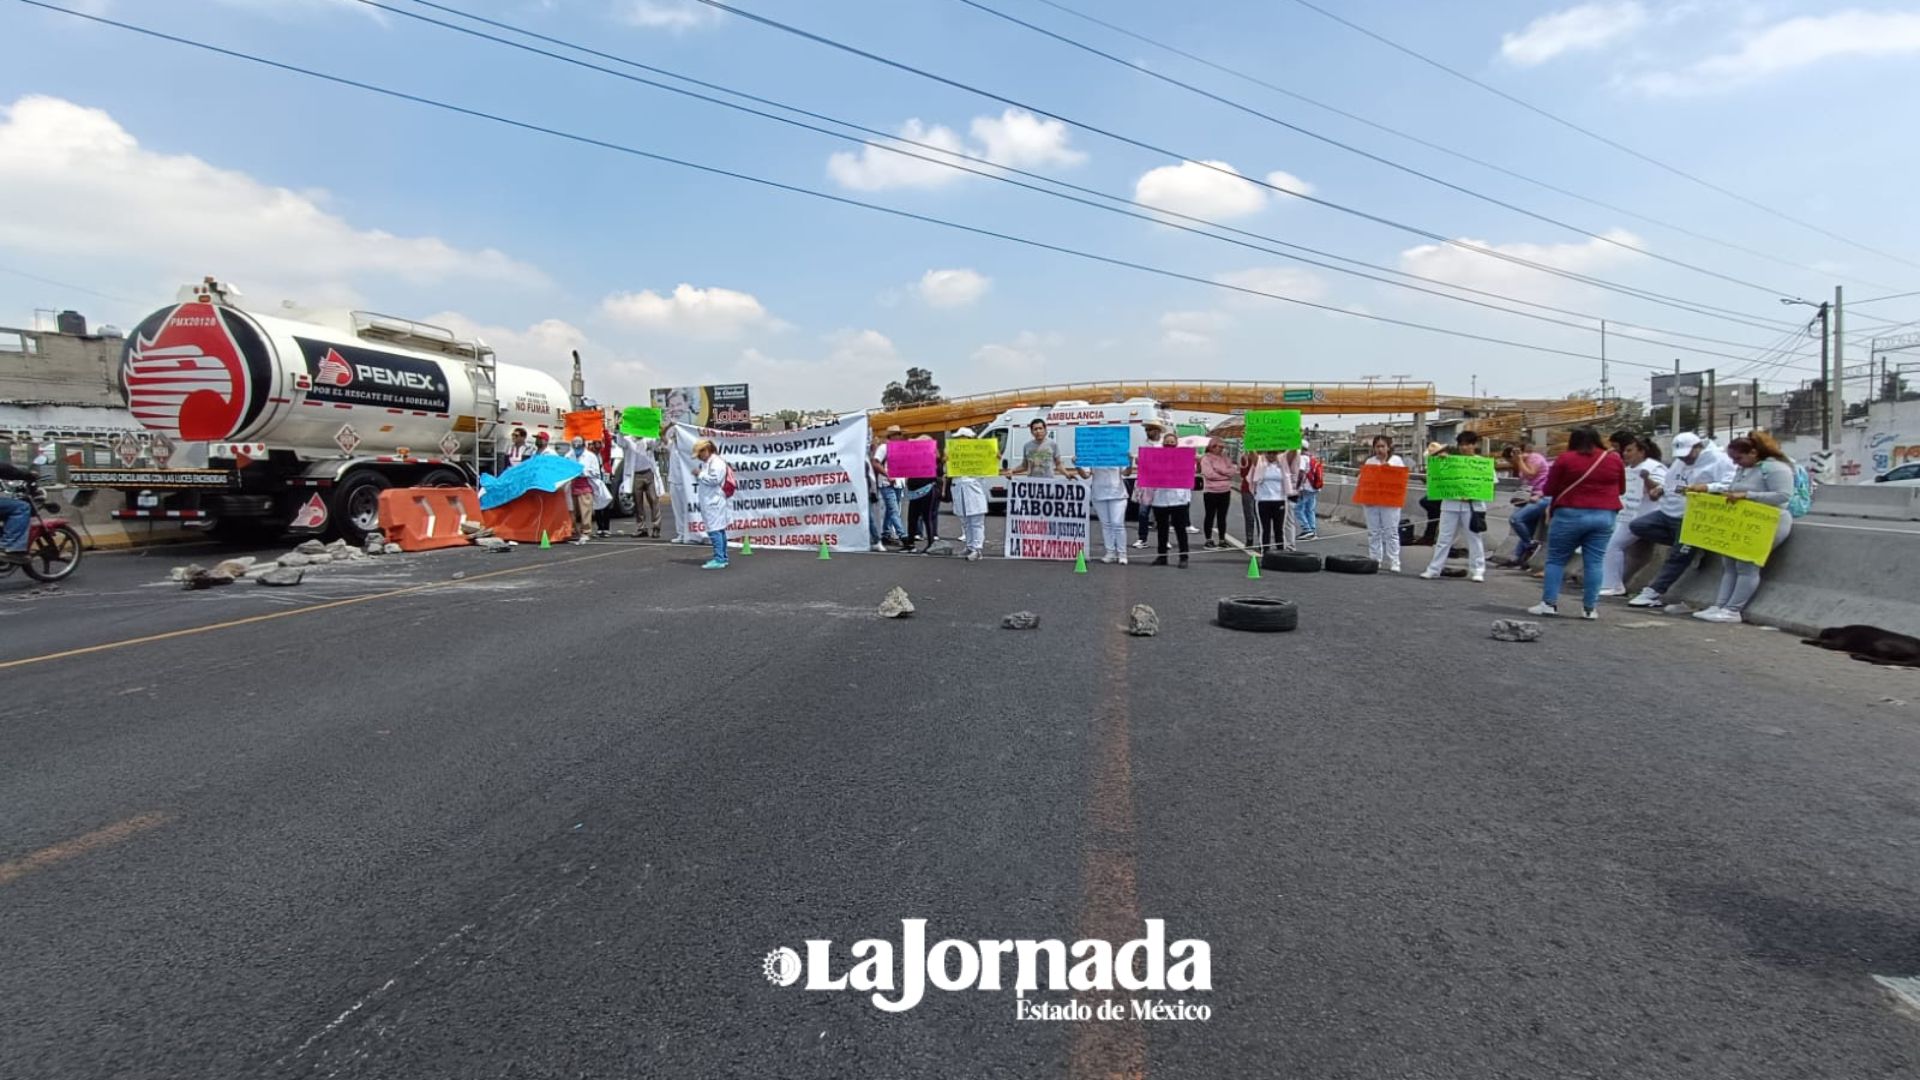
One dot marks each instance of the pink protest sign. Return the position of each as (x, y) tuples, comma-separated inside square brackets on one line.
[(912, 459), (1166, 467)]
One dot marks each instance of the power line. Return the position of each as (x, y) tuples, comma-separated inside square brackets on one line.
[(713, 170), (1896, 296), (996, 175), (1369, 155), (1659, 298), (1591, 134), (69, 285), (1440, 147)]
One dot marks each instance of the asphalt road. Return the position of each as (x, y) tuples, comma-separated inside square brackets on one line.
[(546, 823)]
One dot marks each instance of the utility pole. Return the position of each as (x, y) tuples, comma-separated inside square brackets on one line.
[(1826, 386), (1603, 362), (1712, 405), (1839, 364), (1674, 395), (1756, 403)]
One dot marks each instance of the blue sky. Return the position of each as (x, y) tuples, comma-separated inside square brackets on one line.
[(128, 166)]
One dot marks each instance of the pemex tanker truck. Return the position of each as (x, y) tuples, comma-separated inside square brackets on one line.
[(308, 416)]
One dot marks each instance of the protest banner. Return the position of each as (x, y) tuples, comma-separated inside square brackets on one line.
[(973, 457), (1273, 429), (640, 422), (1046, 519), (588, 424), (1102, 447), (1741, 529), (795, 489), (1381, 485), (1166, 467), (912, 459), (1460, 476)]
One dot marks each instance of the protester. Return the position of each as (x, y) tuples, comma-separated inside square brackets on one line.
[(1695, 461), (637, 474), (1765, 476), (923, 506), (1172, 508), (1645, 472), (1217, 476), (1143, 497), (1313, 477), (602, 495), (581, 489), (1108, 490), (518, 449), (970, 503), (1272, 485), (874, 480), (540, 444), (1430, 508), (1383, 522), (1249, 500), (713, 481), (891, 527), (1529, 466), (1584, 485), (1459, 516), (1040, 458)]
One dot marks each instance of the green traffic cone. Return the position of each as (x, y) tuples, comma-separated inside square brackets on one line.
[(545, 540), (824, 556), (746, 545), (1253, 568), (1080, 563)]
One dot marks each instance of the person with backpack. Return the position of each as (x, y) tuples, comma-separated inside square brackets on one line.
[(714, 486), (1313, 477), (1766, 475)]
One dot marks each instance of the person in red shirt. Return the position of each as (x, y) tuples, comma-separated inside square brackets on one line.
[(1585, 484)]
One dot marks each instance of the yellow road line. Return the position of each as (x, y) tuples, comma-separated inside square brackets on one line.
[(79, 845), (191, 630)]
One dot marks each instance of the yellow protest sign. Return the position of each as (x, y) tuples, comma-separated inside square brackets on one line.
[(1739, 530), (973, 457)]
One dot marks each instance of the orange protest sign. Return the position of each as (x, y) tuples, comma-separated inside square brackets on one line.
[(1381, 485), (588, 424)]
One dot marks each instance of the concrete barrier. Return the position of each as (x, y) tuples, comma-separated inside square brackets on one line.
[(1828, 573), (1887, 502)]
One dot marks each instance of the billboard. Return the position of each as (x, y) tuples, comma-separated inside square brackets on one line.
[(1690, 384), (725, 407)]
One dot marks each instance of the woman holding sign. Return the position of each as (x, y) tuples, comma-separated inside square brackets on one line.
[(1171, 507), (1272, 479), (1765, 476), (1383, 522), (970, 502)]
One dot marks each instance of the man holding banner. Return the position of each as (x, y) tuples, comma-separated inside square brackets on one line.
[(1463, 482)]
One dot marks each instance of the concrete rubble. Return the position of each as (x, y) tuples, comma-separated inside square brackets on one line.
[(1020, 620), (897, 604), (1515, 630), (1143, 621)]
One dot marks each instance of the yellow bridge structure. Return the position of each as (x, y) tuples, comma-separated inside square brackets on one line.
[(1499, 418)]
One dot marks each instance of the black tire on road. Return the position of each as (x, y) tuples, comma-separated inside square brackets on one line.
[(354, 510), (53, 554), (443, 478), (1260, 614), (1290, 562), (1352, 564)]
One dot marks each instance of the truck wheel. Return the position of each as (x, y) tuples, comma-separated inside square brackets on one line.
[(1260, 614), (356, 506), (1290, 562), (443, 478)]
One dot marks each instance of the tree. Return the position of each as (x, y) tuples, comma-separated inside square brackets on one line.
[(918, 390)]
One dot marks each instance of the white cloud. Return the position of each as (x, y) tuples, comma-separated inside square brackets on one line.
[(952, 288), (1577, 29), (1278, 280), (1216, 193), (1024, 359), (1452, 264), (674, 15), (849, 375), (1192, 330), (94, 191), (1789, 45), (1015, 138), (612, 376), (691, 312)]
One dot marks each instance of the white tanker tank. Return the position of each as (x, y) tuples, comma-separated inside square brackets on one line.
[(308, 416)]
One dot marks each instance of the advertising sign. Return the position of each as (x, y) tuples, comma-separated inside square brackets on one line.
[(724, 407)]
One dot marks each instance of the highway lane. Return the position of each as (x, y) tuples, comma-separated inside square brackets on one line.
[(547, 824)]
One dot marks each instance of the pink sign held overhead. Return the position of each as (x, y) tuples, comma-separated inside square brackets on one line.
[(1166, 467), (913, 459)]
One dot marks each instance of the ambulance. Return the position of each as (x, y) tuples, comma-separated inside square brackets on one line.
[(1064, 418)]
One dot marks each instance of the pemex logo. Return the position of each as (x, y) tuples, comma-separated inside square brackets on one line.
[(186, 376), (333, 370)]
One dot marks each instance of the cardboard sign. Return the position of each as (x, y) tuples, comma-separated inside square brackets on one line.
[(1739, 530), (971, 457), (640, 422), (912, 459), (1102, 447), (1273, 429), (1046, 519), (1166, 467), (1457, 476), (588, 424), (1381, 485)]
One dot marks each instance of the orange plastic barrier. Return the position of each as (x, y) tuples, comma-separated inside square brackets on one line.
[(524, 518), (421, 519)]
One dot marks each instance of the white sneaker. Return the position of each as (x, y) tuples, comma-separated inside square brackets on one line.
[(1543, 609), (1707, 613), (1139, 544), (1109, 558), (973, 555), (1590, 615), (1728, 615), (1647, 599), (1123, 560), (1393, 568), (877, 547), (1477, 575), (1193, 531), (1429, 575), (1618, 590)]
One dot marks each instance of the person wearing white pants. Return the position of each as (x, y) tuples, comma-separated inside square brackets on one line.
[(1456, 517), (1646, 475), (1109, 494), (1383, 522), (970, 504)]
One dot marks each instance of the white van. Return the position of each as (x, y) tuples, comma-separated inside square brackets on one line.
[(1009, 429)]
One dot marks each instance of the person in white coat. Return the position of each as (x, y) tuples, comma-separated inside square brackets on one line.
[(713, 487), (637, 473), (1461, 516), (1108, 491), (970, 504), (1383, 522)]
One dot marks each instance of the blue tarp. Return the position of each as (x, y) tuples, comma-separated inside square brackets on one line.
[(542, 472)]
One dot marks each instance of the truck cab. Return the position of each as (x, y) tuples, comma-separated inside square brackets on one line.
[(1064, 419)]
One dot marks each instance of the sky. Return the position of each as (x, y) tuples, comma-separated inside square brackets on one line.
[(129, 166)]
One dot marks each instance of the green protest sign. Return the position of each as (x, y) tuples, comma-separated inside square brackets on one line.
[(1273, 429), (1458, 476), (640, 421)]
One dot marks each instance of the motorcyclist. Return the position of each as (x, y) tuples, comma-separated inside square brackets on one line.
[(15, 514)]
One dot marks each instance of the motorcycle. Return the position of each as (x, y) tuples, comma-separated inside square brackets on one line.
[(53, 547)]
